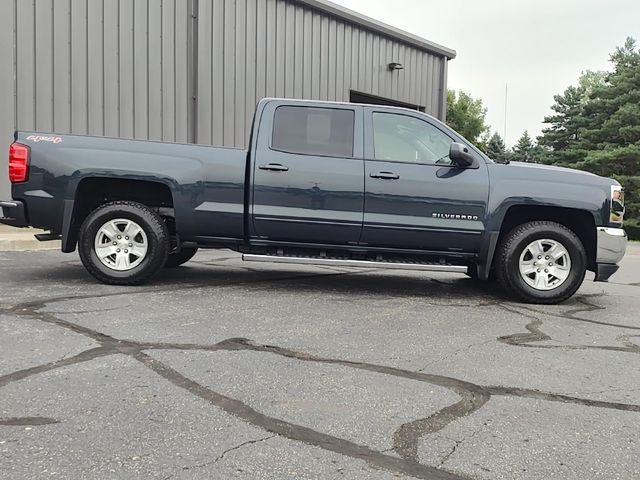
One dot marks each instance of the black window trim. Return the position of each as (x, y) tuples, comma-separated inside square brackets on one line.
[(333, 107), (417, 117)]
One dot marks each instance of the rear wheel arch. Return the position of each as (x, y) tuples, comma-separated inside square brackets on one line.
[(91, 192)]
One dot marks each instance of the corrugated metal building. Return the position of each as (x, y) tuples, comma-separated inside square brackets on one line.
[(193, 70)]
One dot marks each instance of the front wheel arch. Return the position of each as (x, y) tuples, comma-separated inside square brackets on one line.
[(581, 222)]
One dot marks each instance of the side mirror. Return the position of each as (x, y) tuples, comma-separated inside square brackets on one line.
[(461, 156)]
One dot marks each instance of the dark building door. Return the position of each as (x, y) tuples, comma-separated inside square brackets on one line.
[(358, 97)]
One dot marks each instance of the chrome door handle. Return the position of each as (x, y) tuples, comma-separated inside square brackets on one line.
[(385, 175), (274, 167)]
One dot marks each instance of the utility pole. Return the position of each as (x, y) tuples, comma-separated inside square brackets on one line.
[(506, 87)]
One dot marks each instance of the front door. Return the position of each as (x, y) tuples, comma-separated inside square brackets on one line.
[(308, 177), (414, 197)]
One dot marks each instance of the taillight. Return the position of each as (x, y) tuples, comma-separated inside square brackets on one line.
[(18, 162)]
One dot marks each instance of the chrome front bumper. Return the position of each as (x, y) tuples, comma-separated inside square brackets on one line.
[(612, 243)]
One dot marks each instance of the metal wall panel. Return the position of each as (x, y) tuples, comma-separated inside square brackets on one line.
[(299, 52), (7, 87), (99, 67), (146, 69)]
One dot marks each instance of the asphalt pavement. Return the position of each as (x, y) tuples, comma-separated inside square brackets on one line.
[(230, 370)]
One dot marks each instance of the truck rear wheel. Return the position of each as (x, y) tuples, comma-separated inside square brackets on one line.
[(123, 243), (541, 262), (183, 256)]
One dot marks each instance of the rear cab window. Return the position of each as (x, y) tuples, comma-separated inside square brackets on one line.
[(315, 131)]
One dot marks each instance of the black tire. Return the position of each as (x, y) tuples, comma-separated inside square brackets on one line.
[(157, 238), (183, 256), (514, 244)]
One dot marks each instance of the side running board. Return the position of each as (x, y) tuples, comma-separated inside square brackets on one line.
[(431, 267)]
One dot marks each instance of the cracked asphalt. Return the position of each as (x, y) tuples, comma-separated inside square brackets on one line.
[(224, 369)]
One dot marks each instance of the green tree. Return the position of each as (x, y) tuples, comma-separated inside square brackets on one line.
[(523, 151), (496, 149), (559, 142), (466, 115), (611, 131), (597, 127)]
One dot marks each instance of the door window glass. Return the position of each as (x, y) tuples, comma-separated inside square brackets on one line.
[(408, 139), (313, 131)]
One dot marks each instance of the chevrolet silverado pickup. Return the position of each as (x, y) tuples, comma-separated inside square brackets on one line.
[(320, 183)]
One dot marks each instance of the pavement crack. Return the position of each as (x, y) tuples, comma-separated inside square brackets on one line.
[(455, 447), (84, 356), (408, 436), (405, 439), (451, 452), (222, 455), (237, 447), (587, 307), (535, 334), (292, 431), (27, 421), (556, 397)]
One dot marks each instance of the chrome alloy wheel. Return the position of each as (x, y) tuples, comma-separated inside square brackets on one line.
[(121, 244), (545, 264)]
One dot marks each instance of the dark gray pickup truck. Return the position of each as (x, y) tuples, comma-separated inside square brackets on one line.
[(321, 183)]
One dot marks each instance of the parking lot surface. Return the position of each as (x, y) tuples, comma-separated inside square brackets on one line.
[(224, 369)]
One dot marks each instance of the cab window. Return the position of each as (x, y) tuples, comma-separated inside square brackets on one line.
[(403, 138), (313, 131)]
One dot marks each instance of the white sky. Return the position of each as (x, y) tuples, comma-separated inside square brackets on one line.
[(537, 47)]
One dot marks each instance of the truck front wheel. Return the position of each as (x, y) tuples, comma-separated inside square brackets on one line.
[(123, 243), (541, 262)]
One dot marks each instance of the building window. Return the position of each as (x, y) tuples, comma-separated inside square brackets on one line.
[(325, 132), (407, 139)]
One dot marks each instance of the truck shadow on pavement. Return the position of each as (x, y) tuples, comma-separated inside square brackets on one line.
[(455, 290), (403, 459)]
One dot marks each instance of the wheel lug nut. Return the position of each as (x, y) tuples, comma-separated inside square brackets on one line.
[(539, 256), (547, 257), (115, 243), (551, 264), (118, 250), (126, 251), (119, 237), (131, 244), (546, 270), (539, 270), (127, 238), (535, 263)]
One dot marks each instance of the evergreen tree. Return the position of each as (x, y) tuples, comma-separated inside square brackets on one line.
[(562, 135), (596, 127), (559, 142), (523, 150), (611, 130), (496, 149)]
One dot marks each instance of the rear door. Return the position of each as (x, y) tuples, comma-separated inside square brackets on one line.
[(414, 197), (308, 174)]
